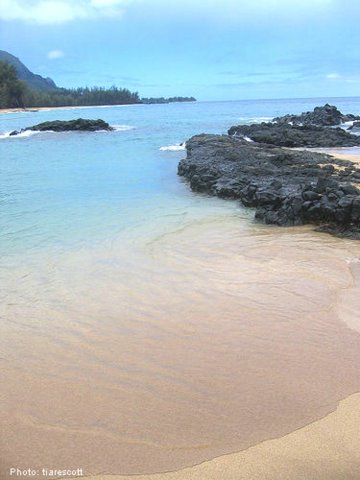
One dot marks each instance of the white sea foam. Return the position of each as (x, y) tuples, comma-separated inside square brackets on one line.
[(122, 128), (27, 133), (30, 133), (173, 148), (255, 119), (4, 135), (347, 124)]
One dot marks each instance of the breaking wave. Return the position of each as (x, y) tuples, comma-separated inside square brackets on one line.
[(27, 133), (122, 128), (173, 148)]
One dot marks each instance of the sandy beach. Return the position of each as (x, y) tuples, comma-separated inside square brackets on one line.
[(328, 449), (44, 109), (180, 282), (338, 153), (343, 153), (207, 347), (258, 352), (36, 109)]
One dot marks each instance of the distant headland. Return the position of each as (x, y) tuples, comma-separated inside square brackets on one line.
[(21, 88)]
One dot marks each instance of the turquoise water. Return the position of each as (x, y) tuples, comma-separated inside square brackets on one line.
[(62, 190)]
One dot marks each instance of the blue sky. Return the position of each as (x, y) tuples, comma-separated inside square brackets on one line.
[(214, 50)]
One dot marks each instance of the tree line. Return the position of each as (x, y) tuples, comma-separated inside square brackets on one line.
[(15, 93), (168, 100), (77, 97), (12, 90)]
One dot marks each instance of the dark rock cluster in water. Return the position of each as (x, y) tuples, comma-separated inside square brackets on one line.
[(310, 129), (285, 135), (326, 116), (286, 187), (78, 125)]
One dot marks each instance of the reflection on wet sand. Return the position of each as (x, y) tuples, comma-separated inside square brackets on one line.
[(156, 352)]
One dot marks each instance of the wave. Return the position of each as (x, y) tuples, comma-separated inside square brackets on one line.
[(173, 148), (122, 128), (347, 126), (255, 119), (27, 133)]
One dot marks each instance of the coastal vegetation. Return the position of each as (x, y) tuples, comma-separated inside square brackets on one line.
[(78, 97), (168, 100), (20, 88), (12, 90)]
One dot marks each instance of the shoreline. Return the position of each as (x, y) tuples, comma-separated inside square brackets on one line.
[(249, 382), (320, 449), (352, 157), (75, 426), (70, 107)]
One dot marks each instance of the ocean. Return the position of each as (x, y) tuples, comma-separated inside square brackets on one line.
[(68, 190), (145, 328)]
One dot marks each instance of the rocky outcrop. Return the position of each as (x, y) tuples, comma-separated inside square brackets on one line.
[(285, 187), (79, 125), (286, 135), (310, 129), (325, 116)]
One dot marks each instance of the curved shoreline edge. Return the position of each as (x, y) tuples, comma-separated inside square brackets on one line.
[(327, 449)]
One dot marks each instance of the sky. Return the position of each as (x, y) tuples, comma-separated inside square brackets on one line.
[(210, 49)]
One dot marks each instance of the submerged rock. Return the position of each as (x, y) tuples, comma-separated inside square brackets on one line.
[(78, 125), (285, 187)]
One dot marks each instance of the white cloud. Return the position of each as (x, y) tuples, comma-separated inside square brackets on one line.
[(333, 76), (54, 54), (59, 11), (105, 3), (238, 12)]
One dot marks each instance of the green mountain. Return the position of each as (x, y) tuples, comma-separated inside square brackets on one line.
[(34, 81)]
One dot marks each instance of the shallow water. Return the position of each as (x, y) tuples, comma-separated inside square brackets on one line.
[(145, 328)]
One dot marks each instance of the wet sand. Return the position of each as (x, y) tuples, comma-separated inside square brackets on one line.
[(328, 449), (160, 351)]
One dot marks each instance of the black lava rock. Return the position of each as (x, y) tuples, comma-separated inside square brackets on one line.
[(78, 125), (327, 115), (286, 135), (286, 187)]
